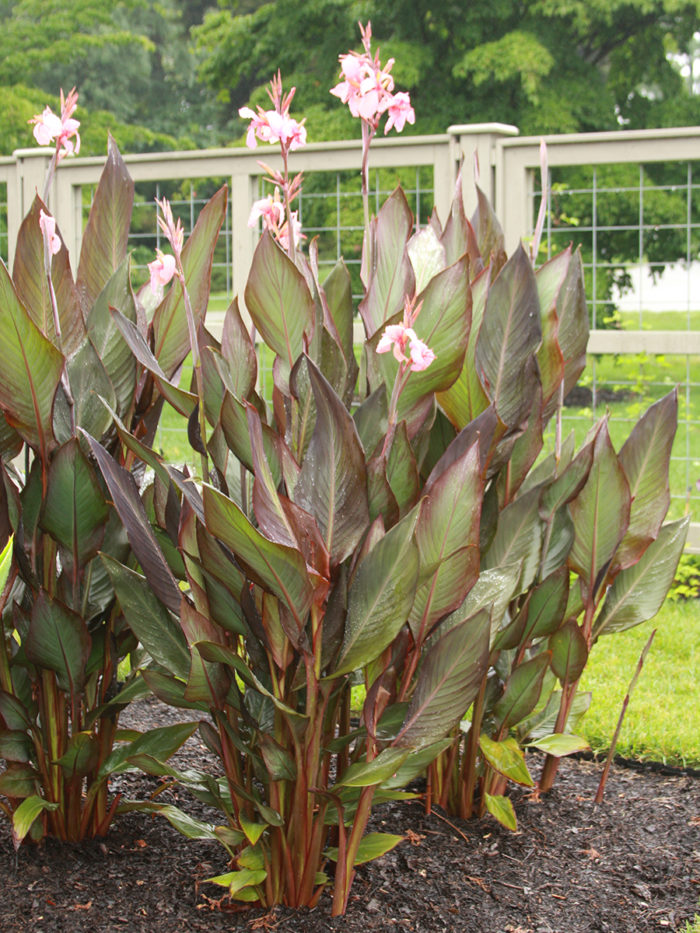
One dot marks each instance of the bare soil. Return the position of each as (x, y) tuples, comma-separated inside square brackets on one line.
[(631, 864)]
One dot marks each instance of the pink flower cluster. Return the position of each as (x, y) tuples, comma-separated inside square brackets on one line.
[(49, 127), (161, 270), (367, 88), (401, 338), (271, 210), (272, 126)]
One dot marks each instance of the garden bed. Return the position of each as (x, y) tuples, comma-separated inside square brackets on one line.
[(631, 864)]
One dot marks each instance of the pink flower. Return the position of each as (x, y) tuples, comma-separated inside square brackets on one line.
[(283, 234), (270, 209), (173, 230), (161, 270), (367, 87), (48, 127), (401, 337), (272, 126), (48, 231), (421, 355), (400, 112), (396, 337)]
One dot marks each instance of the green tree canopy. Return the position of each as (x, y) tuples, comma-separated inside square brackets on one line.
[(544, 65)]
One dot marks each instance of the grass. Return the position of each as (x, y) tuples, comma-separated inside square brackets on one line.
[(662, 722)]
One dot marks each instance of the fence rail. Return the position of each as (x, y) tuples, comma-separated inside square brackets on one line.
[(631, 198)]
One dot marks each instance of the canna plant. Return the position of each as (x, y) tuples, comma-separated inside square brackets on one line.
[(389, 526), (572, 546), (66, 369)]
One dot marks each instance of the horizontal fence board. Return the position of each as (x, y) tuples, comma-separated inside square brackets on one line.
[(666, 342)]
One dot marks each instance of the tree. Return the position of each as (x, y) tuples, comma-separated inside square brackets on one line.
[(130, 60), (545, 66)]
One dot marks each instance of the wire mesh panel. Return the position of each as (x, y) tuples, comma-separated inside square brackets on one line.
[(638, 226)]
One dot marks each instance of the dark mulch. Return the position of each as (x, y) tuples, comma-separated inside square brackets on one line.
[(632, 864)]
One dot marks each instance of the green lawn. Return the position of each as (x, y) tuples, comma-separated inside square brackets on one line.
[(663, 718)]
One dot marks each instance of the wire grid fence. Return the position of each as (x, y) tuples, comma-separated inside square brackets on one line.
[(639, 230)]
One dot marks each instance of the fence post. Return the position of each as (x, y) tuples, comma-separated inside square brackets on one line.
[(30, 166), (244, 189), (480, 140)]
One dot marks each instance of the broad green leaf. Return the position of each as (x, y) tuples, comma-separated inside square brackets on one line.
[(502, 809), (547, 606), (31, 371), (600, 513), (74, 511), (281, 570), (493, 591), (507, 758), (638, 592), (489, 234), (10, 441), (569, 652), (518, 537), (238, 352), (278, 761), (25, 814), (18, 780), (182, 401), (171, 341), (81, 756), (645, 457), (522, 691), (455, 237), (448, 526), (380, 596), (6, 562), (29, 275), (560, 744), (58, 639), (392, 277), (148, 618), (279, 300), (550, 359), (13, 713), (368, 773), (159, 743), (416, 763), (443, 324), (181, 821), (236, 881), (569, 482), (253, 831), (448, 681), (92, 391), (105, 236), (111, 347), (572, 333), (372, 845), (15, 745), (509, 337), (332, 484), (125, 496), (466, 398), (234, 423)]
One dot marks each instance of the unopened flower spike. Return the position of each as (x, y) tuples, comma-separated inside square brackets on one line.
[(48, 230), (172, 229)]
